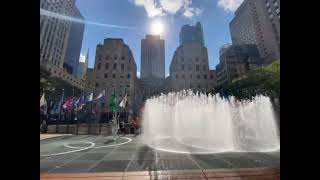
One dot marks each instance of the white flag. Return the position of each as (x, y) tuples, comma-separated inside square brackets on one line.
[(100, 95), (90, 97), (43, 101), (123, 102)]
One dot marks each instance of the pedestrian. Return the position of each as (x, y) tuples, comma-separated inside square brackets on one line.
[(136, 125)]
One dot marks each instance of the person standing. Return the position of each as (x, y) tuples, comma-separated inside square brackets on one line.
[(136, 125)]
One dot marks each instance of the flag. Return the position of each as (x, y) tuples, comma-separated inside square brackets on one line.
[(113, 102), (57, 107), (134, 105), (68, 104), (90, 97), (43, 101), (123, 102), (101, 96)]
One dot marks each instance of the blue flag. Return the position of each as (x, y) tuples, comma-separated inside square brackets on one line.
[(57, 107)]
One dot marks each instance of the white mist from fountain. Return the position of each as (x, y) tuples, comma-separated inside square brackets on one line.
[(184, 122)]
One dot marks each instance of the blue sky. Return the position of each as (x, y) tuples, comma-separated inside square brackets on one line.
[(214, 16)]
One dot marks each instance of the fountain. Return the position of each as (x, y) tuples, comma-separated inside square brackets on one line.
[(185, 122)]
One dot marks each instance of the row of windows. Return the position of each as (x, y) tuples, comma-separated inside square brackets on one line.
[(114, 76), (114, 67), (115, 57), (120, 86), (197, 59), (198, 76)]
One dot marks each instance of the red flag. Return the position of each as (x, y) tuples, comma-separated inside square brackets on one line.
[(68, 103)]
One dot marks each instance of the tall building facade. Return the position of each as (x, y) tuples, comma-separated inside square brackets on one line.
[(236, 61), (258, 22), (54, 32), (74, 42), (115, 70), (189, 69), (191, 34), (152, 57)]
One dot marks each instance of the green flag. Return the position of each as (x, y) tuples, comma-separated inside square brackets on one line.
[(113, 102)]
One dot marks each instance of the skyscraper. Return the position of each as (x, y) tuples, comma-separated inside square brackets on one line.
[(54, 32), (74, 42), (190, 34), (152, 57), (258, 22)]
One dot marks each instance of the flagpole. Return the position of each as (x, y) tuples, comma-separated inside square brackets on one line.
[(58, 120)]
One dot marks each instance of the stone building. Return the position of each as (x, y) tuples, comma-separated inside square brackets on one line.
[(114, 70), (90, 79), (258, 22), (191, 34), (152, 57), (189, 69), (54, 32), (236, 61)]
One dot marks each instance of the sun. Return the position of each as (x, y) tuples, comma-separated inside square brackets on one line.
[(157, 28)]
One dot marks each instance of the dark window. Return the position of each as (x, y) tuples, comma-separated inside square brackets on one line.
[(197, 68), (204, 67), (182, 67), (129, 76), (199, 86), (99, 58), (107, 57), (99, 66), (122, 67), (211, 76), (121, 76), (198, 76), (122, 57), (177, 76), (115, 66), (182, 59), (105, 75), (128, 86), (205, 76), (113, 76), (97, 85), (115, 57), (107, 66), (190, 76)]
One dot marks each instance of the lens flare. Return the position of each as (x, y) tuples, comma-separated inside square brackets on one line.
[(72, 19)]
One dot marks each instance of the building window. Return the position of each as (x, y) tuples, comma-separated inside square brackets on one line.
[(204, 67), (115, 66), (97, 85), (182, 59), (177, 76), (107, 57), (115, 57), (205, 76), (113, 76), (197, 68), (183, 76), (128, 86), (122, 58), (121, 76), (197, 59), (211, 76), (182, 67), (199, 86), (190, 67), (122, 67), (129, 76), (105, 75), (107, 66), (99, 66), (198, 76)]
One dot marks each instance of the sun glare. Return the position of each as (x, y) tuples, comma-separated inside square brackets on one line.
[(157, 28)]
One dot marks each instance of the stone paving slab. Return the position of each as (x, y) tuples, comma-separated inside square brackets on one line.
[(135, 157)]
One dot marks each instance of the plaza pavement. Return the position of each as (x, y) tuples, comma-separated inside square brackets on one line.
[(98, 157)]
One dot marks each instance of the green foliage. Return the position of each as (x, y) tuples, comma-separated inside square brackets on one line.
[(53, 87), (264, 80)]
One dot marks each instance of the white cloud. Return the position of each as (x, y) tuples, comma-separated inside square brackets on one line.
[(190, 12), (163, 7), (229, 5), (150, 6), (82, 58)]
